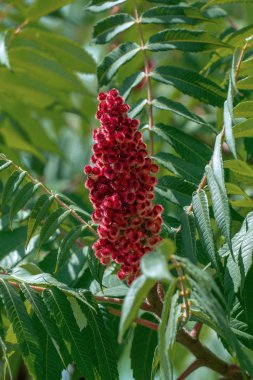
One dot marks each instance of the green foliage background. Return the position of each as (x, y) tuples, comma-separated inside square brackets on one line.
[(52, 67)]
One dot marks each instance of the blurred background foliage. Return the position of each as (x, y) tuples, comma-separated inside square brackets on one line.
[(48, 91)]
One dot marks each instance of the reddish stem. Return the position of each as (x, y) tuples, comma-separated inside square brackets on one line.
[(139, 321), (149, 87), (196, 330), (195, 365), (34, 287)]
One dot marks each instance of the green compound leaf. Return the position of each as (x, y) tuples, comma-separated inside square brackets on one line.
[(102, 340), (51, 224), (220, 205), (22, 196), (50, 327), (38, 214), (12, 241), (186, 40), (173, 15), (12, 185), (4, 164), (243, 129), (106, 29), (239, 172), (143, 349), (176, 165), (76, 339), (102, 5), (165, 1), (217, 162), (201, 212), (246, 83), (23, 328), (130, 83), (247, 293), (30, 90), (244, 109), (167, 332), (176, 190), (221, 2), (233, 273), (114, 60), (132, 302), (41, 65), (43, 7), (155, 267), (137, 108), (96, 268), (4, 57), (228, 120), (186, 146), (191, 83), (63, 49), (178, 108), (188, 234), (67, 242)]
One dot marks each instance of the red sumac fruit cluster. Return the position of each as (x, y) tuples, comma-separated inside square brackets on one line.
[(121, 185)]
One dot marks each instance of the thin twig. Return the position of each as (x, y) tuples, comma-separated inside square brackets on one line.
[(238, 66), (195, 365), (204, 356), (16, 285), (195, 332), (149, 87), (17, 31), (117, 301), (209, 359), (49, 192), (139, 321)]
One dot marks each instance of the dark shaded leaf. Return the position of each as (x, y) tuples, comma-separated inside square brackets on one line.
[(184, 39), (39, 212), (23, 328), (186, 146), (143, 349), (175, 189), (130, 83), (173, 15), (114, 60), (102, 5), (105, 30), (73, 334), (184, 169), (191, 83), (188, 233), (220, 205), (178, 108)]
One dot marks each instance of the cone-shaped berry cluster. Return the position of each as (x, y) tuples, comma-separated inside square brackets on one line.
[(121, 188)]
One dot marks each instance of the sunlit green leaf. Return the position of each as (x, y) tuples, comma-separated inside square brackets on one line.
[(132, 302), (43, 7)]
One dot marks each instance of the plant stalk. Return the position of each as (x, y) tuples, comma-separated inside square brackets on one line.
[(149, 87)]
